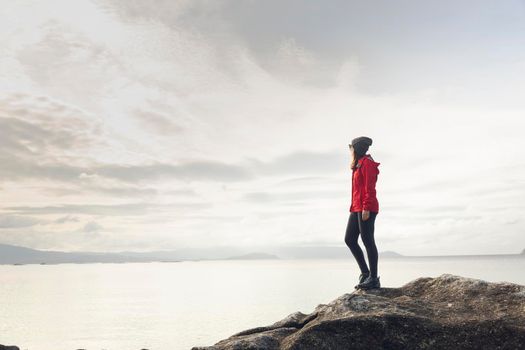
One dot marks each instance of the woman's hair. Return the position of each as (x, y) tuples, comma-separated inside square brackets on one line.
[(357, 153)]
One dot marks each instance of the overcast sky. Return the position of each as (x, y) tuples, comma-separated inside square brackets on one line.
[(138, 125)]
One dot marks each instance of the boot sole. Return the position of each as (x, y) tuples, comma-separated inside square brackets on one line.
[(371, 287)]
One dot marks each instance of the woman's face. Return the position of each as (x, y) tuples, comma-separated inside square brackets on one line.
[(352, 151)]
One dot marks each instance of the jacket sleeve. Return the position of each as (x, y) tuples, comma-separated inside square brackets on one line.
[(370, 179)]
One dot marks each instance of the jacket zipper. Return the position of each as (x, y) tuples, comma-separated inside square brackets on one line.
[(352, 190)]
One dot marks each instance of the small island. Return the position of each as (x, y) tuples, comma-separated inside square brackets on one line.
[(390, 254)]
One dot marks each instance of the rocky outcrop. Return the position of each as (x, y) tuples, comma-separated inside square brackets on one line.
[(9, 347), (445, 312)]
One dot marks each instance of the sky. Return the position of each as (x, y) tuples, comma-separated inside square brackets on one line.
[(138, 125)]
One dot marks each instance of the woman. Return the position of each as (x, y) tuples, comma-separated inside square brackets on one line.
[(363, 211)]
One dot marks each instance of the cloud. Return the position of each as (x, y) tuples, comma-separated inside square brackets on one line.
[(34, 126), (67, 218), (86, 189), (300, 162), (18, 169), (160, 123), (204, 101), (41, 137), (17, 221), (302, 180), (189, 171), (296, 162), (92, 226), (126, 209), (41, 143), (265, 197)]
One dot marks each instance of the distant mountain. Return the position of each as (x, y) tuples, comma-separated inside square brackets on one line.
[(318, 252), (207, 253), (253, 256), (281, 252), (390, 254), (10, 254)]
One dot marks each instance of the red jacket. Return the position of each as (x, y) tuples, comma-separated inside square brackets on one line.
[(364, 179)]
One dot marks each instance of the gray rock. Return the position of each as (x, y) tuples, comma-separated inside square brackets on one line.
[(446, 312), (9, 347)]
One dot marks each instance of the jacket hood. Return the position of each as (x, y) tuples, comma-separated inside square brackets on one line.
[(368, 157)]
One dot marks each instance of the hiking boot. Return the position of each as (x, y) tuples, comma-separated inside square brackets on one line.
[(370, 283), (362, 278)]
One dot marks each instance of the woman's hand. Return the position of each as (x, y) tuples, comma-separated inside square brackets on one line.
[(366, 214)]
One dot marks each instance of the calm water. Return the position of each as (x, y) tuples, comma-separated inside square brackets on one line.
[(180, 305)]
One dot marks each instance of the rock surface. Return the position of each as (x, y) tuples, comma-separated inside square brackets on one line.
[(445, 312)]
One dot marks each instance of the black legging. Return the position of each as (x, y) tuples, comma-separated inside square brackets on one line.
[(355, 226)]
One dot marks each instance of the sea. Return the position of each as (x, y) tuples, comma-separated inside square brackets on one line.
[(178, 305)]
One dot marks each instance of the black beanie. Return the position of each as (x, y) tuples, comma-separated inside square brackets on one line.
[(361, 144), (362, 139)]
